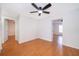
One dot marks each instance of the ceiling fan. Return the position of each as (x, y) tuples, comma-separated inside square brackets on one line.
[(41, 10)]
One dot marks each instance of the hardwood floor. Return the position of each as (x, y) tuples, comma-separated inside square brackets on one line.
[(37, 47)]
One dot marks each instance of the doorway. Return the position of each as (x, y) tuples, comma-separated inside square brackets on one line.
[(9, 29), (58, 36), (57, 31)]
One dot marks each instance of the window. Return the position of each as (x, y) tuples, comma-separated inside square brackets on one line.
[(60, 28)]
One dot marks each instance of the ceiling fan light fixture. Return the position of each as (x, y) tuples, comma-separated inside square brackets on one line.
[(40, 11)]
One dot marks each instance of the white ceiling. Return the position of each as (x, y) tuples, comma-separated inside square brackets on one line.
[(25, 8)]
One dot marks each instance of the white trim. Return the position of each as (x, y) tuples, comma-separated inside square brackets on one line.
[(47, 39), (5, 17), (2, 19), (71, 46)]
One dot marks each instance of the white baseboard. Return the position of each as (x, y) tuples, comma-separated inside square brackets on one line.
[(47, 39), (76, 47), (20, 42)]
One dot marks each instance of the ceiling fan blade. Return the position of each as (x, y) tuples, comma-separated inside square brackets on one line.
[(39, 14), (46, 12), (33, 4), (47, 6), (33, 11)]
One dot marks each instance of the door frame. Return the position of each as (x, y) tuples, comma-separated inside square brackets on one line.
[(3, 27)]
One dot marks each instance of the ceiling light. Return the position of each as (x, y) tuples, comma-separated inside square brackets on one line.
[(40, 11)]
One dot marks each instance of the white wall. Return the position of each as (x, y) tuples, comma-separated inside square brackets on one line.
[(0, 34), (27, 29), (0, 30), (17, 28), (5, 14), (30, 29), (71, 28), (45, 29)]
